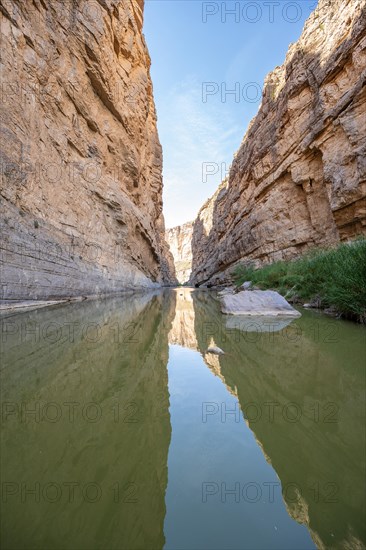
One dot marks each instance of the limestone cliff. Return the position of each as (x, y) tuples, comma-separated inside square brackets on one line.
[(81, 162), (299, 177), (179, 240)]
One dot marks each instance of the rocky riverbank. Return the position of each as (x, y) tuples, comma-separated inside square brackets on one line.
[(333, 280)]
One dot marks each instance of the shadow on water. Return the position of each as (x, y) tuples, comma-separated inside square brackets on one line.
[(92, 402)]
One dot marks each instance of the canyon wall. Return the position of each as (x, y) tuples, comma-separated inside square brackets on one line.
[(81, 161), (298, 179), (179, 240)]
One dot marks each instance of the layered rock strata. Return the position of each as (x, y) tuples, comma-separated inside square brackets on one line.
[(298, 179), (81, 162), (179, 240)]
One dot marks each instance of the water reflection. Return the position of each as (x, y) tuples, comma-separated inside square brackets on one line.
[(219, 480), (91, 425), (88, 469), (302, 393)]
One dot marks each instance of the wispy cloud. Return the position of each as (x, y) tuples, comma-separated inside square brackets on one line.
[(193, 133)]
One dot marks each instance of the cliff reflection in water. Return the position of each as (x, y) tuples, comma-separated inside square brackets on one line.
[(317, 444), (95, 376), (102, 430)]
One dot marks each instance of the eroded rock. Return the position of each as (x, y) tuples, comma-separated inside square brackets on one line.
[(298, 179), (81, 193), (179, 240)]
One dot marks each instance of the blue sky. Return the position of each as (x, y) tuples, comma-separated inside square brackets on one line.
[(200, 51)]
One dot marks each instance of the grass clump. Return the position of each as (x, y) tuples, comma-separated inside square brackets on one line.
[(331, 278)]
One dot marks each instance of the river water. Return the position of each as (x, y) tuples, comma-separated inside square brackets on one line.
[(120, 432)]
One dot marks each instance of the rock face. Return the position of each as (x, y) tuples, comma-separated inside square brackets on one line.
[(81, 162), (299, 177), (179, 240)]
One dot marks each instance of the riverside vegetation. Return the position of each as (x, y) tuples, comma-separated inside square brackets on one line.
[(333, 279)]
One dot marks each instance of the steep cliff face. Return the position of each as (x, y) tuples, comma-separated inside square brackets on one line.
[(299, 177), (179, 240), (81, 193)]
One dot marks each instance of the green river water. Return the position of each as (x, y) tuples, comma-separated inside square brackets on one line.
[(120, 432)]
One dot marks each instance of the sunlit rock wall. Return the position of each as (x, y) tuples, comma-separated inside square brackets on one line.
[(179, 240), (81, 161), (298, 179)]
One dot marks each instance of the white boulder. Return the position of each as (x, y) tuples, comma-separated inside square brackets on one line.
[(257, 302)]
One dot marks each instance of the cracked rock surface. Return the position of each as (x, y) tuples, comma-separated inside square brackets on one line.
[(298, 179), (81, 193)]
